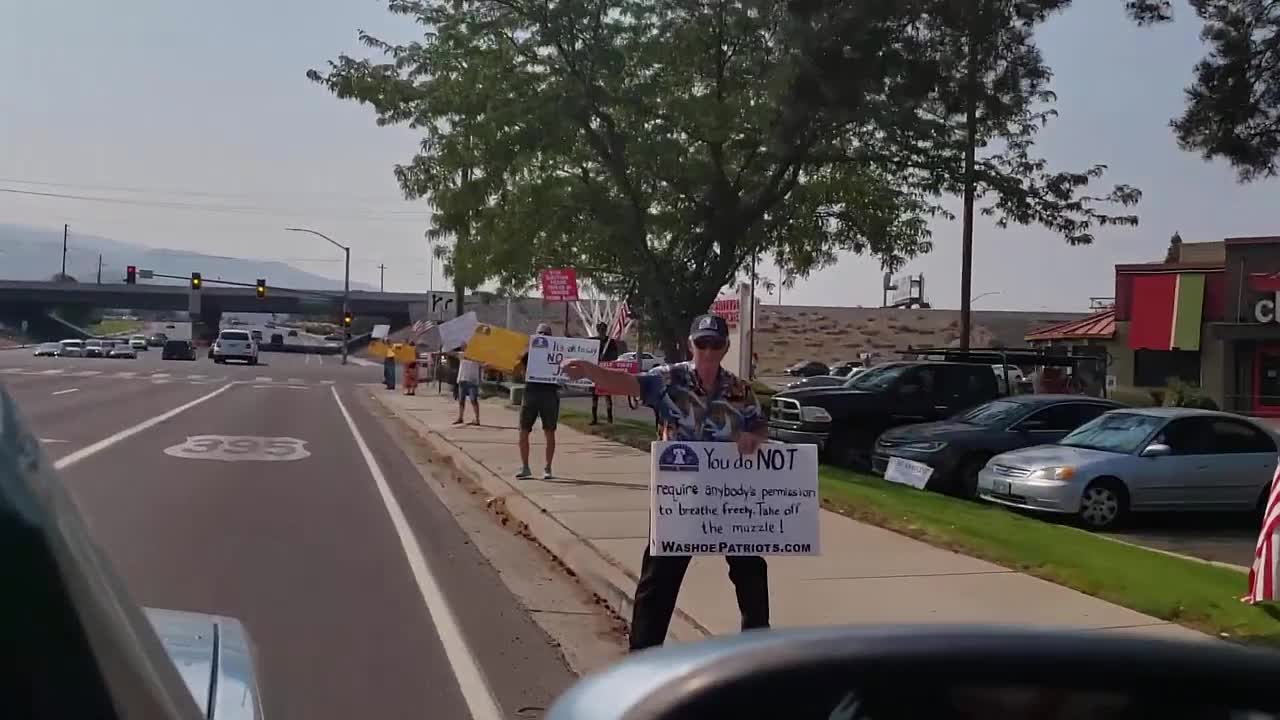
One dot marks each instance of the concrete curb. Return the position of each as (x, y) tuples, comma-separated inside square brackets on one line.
[(603, 577)]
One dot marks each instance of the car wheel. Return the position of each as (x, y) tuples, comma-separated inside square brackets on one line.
[(966, 484), (1103, 504)]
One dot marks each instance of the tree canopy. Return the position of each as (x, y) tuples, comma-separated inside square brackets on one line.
[(659, 145), (1232, 107)]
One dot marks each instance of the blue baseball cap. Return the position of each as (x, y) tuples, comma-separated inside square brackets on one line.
[(709, 326)]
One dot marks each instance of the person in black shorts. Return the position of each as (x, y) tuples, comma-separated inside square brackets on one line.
[(541, 402)]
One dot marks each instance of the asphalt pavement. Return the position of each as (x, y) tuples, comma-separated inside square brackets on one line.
[(269, 493)]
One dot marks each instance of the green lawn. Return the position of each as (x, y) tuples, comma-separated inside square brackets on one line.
[(1198, 595), (112, 327)]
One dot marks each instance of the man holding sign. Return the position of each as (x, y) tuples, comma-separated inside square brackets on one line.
[(694, 401)]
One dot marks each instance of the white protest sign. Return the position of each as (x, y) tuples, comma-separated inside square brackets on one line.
[(705, 498), (455, 333), (908, 472), (547, 352), (380, 332)]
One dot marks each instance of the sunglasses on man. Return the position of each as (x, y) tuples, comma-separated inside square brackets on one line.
[(710, 343)]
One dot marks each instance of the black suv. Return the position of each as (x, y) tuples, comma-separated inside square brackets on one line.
[(846, 420), (178, 350)]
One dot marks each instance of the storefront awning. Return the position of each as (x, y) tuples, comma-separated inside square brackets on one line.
[(1166, 311)]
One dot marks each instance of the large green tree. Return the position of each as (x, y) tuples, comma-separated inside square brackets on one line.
[(1233, 103), (655, 145), (988, 96)]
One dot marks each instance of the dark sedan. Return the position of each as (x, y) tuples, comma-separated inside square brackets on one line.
[(807, 368), (957, 449)]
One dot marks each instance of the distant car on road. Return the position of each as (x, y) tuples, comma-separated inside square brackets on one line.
[(71, 348), (178, 350), (157, 340), (334, 338), (94, 348), (256, 334), (808, 368), (49, 349), (277, 340), (123, 351), (1141, 459), (138, 342), (647, 361), (293, 333), (845, 368), (235, 345)]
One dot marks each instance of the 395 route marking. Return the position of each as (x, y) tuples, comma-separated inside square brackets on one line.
[(240, 448)]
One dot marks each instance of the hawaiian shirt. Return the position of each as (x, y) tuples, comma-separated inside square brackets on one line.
[(688, 411)]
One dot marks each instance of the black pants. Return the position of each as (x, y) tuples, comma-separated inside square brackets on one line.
[(659, 585), (595, 407)]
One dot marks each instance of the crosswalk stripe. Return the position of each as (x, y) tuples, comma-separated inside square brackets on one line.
[(195, 377), (125, 374), (157, 376), (326, 382)]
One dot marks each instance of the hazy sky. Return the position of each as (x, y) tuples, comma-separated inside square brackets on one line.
[(206, 104)]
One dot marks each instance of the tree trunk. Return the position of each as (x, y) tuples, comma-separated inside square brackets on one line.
[(970, 152)]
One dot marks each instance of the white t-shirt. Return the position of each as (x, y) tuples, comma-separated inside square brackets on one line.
[(469, 371)]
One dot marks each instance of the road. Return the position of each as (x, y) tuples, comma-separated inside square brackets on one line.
[(273, 495)]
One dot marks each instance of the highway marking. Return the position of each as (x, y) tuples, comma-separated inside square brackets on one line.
[(157, 376), (466, 669), (326, 382), (68, 390), (85, 373), (296, 381), (283, 387), (126, 374), (195, 377), (262, 379), (51, 372), (239, 448), (51, 440), (306, 359), (67, 461)]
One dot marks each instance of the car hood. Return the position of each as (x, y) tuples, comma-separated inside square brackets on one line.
[(945, 430), (1040, 456), (213, 657)]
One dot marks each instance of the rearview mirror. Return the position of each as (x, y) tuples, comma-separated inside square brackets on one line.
[(930, 672), (1157, 450)]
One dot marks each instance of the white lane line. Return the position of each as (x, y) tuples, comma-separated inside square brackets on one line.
[(157, 376), (51, 440), (326, 382), (84, 373), (306, 359), (296, 381), (125, 374), (58, 371), (195, 377), (282, 387), (68, 390), (319, 359), (262, 379), (67, 461), (466, 669)]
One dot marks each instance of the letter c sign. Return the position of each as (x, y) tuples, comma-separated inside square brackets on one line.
[(1265, 310)]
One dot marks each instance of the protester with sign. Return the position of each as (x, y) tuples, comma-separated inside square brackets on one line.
[(694, 401), (541, 402), (389, 367), (608, 353), (411, 371), (468, 387)]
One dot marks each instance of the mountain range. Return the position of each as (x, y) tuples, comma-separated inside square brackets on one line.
[(33, 253)]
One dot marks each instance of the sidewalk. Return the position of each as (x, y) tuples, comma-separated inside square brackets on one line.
[(594, 517)]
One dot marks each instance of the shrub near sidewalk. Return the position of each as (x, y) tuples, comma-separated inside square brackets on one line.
[(1190, 593)]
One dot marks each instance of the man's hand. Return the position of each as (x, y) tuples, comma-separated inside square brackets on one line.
[(576, 369), (748, 443)]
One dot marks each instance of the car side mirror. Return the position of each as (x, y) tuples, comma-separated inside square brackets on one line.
[(1157, 450)]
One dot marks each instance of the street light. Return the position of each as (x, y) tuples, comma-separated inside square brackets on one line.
[(976, 298), (346, 283)]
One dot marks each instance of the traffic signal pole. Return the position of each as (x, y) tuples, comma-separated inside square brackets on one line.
[(346, 302)]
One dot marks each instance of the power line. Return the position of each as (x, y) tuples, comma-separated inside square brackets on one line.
[(242, 210), (199, 193)]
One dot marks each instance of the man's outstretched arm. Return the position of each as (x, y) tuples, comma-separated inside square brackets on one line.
[(607, 382)]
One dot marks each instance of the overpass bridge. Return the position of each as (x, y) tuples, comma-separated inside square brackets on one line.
[(24, 299)]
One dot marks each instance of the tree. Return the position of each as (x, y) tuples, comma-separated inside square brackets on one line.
[(1233, 105), (975, 136), (655, 146)]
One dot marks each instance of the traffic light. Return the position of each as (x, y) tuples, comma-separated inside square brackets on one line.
[(131, 275), (195, 281), (262, 288), (346, 320)]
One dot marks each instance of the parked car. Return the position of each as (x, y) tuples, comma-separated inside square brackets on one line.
[(71, 348), (1139, 460), (49, 349), (123, 351), (844, 368), (818, 381), (808, 368), (956, 450), (157, 340), (94, 348), (846, 420), (1015, 382), (178, 350), (138, 342), (235, 345), (647, 361)]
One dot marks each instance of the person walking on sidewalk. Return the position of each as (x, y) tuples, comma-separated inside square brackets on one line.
[(608, 353), (541, 402), (389, 366), (695, 401), (468, 387)]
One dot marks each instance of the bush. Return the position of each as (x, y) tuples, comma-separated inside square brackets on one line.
[(1133, 396), (1179, 393)]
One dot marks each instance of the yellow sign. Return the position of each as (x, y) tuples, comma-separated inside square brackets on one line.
[(496, 347), (403, 353)]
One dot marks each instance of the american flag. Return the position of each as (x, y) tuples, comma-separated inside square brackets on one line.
[(621, 320), (422, 326), (1264, 576)]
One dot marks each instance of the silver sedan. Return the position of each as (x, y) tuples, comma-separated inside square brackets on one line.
[(1139, 460)]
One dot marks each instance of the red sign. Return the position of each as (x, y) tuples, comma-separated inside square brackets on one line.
[(726, 308), (560, 284), (1264, 282), (631, 366)]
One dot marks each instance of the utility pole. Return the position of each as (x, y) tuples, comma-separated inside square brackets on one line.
[(65, 229), (99, 268), (382, 274)]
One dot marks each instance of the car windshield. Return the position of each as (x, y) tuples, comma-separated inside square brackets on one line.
[(234, 335), (1118, 432), (876, 378), (998, 413), (71, 343), (94, 343)]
